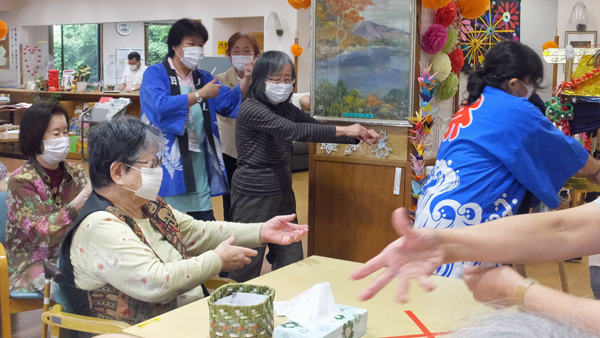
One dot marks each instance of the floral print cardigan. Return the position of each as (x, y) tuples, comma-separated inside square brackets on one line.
[(38, 218)]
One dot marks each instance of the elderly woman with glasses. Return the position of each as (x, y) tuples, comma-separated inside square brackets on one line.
[(130, 255), (267, 124)]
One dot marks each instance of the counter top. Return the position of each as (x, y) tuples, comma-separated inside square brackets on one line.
[(133, 96)]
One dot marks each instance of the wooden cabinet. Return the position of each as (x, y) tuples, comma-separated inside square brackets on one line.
[(351, 203)]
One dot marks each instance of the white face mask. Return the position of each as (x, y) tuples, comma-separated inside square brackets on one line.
[(240, 61), (56, 150), (192, 56), (151, 181), (530, 90), (133, 67), (277, 93)]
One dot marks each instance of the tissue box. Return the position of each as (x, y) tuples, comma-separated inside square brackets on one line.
[(351, 322)]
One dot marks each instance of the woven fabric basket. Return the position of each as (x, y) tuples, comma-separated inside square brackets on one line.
[(241, 321)]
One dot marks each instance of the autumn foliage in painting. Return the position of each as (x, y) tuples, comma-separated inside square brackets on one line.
[(348, 46), (337, 18)]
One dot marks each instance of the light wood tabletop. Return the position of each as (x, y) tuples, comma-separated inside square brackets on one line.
[(436, 312)]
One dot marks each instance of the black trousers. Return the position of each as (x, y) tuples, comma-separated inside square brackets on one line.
[(254, 209), (207, 215), (230, 167)]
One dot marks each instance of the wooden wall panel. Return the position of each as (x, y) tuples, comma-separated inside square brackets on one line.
[(352, 209)]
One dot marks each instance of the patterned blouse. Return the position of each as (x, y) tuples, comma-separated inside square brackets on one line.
[(38, 218)]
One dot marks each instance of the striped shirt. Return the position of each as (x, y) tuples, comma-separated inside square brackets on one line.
[(264, 136)]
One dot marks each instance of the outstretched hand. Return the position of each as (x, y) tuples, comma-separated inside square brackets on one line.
[(415, 255), (280, 230)]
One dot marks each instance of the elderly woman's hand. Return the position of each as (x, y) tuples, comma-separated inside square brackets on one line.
[(415, 255), (82, 197), (496, 285), (233, 257), (279, 230)]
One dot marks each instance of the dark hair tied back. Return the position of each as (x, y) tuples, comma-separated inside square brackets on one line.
[(504, 61)]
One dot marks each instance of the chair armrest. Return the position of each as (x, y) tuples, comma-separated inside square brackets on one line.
[(57, 318), (52, 272)]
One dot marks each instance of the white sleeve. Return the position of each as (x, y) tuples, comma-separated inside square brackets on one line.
[(125, 73)]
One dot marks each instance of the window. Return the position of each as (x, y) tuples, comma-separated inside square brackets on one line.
[(156, 42), (76, 45)]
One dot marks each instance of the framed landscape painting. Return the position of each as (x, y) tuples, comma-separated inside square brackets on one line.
[(363, 60)]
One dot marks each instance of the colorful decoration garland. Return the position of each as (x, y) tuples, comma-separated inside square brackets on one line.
[(575, 82), (423, 122), (435, 4), (472, 9), (296, 49), (299, 4), (434, 39), (560, 111), (3, 29), (445, 16), (480, 33)]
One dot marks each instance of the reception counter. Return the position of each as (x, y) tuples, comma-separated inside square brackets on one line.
[(21, 95), (10, 147)]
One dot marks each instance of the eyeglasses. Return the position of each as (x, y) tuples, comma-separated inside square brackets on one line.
[(155, 163), (279, 80)]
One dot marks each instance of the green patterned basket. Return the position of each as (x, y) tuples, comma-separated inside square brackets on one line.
[(241, 321)]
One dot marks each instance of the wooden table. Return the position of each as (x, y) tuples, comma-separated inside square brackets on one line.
[(436, 312)]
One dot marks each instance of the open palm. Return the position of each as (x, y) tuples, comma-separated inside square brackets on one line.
[(280, 230), (415, 255)]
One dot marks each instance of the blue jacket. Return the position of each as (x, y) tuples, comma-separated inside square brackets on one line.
[(169, 113)]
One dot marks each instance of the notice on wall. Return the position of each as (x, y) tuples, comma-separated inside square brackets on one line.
[(14, 49), (122, 61), (222, 47)]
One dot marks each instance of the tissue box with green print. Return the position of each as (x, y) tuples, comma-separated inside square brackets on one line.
[(351, 322)]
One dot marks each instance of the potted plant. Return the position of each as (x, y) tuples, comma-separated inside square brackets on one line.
[(82, 75)]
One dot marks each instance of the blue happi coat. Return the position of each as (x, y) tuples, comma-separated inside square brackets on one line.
[(170, 113)]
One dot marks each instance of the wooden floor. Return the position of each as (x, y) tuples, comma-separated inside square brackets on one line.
[(28, 324)]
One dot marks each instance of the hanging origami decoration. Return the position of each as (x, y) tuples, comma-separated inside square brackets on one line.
[(423, 123), (329, 147), (381, 149), (350, 148)]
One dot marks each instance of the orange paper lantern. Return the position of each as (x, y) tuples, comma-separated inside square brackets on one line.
[(472, 9), (550, 44), (435, 4), (3, 29), (296, 50), (299, 4)]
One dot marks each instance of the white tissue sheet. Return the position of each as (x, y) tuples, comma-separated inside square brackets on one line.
[(311, 307), (242, 299)]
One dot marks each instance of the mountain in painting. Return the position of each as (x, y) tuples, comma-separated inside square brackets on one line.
[(372, 31)]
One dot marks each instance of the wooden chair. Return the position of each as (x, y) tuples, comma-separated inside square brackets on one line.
[(59, 321), (12, 301)]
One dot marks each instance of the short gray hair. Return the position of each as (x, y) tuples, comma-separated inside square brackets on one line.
[(509, 323), (121, 140)]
